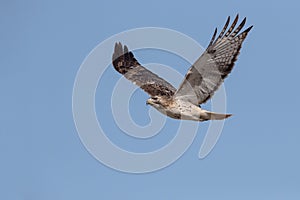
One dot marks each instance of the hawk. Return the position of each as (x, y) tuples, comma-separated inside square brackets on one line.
[(201, 81)]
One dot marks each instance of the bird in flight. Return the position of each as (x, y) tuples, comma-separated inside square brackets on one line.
[(201, 81)]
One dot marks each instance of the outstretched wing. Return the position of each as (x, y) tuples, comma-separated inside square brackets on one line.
[(208, 72), (125, 63)]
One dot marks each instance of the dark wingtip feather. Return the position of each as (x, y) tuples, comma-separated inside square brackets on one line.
[(125, 49), (236, 19), (118, 51), (213, 37), (224, 29), (232, 25), (227, 22), (243, 22), (237, 30), (248, 29), (237, 16)]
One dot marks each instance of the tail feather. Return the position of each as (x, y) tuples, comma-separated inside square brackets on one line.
[(207, 115)]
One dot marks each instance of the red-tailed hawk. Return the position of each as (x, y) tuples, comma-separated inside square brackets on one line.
[(201, 81)]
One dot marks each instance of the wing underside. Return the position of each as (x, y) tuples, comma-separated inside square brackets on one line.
[(208, 72)]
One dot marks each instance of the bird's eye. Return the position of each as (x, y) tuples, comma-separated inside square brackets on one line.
[(154, 98)]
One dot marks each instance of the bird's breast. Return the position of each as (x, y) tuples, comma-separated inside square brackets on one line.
[(180, 110)]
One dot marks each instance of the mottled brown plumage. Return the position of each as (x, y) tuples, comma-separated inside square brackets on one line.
[(125, 63), (208, 72)]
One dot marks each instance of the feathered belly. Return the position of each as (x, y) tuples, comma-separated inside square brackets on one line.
[(182, 110)]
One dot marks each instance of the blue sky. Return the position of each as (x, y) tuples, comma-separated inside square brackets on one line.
[(42, 47)]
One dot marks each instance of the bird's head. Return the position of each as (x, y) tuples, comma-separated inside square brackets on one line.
[(153, 101)]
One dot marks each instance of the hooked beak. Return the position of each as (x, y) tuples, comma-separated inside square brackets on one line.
[(148, 102)]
